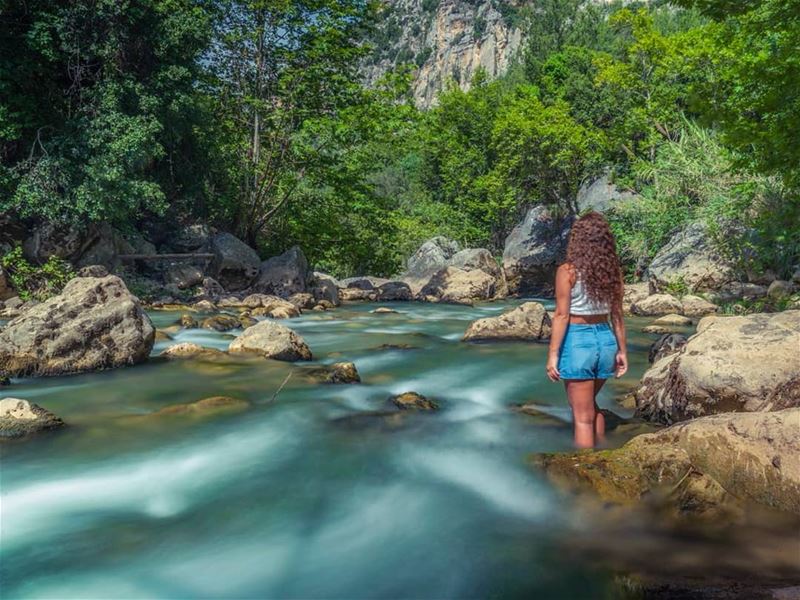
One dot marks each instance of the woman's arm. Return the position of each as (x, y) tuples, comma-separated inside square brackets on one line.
[(564, 282), (618, 324)]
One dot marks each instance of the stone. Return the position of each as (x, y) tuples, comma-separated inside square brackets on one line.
[(341, 372), (657, 305), (14, 303), (187, 321), (190, 350), (204, 306), (533, 250), (202, 408), (210, 289), (60, 240), (737, 290), (6, 289), (220, 323), (394, 291), (302, 300), (245, 321), (667, 344), (600, 195), (104, 249), (280, 309), (95, 323), (673, 320), (430, 257), (162, 336), (184, 275), (229, 302), (283, 275), (191, 238), (364, 282), (746, 363), (235, 264), (689, 257), (471, 259), (384, 310), (527, 322), (697, 467), (456, 286), (271, 340), (357, 295), (19, 418), (413, 401), (695, 306), (325, 304), (92, 271), (780, 289), (796, 276), (324, 287), (633, 293)]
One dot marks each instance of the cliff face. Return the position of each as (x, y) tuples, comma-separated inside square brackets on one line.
[(446, 40)]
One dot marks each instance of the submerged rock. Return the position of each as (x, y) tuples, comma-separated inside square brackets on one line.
[(271, 340), (745, 363), (95, 323), (19, 418), (528, 322), (341, 372), (384, 310), (203, 408), (190, 350), (413, 401), (220, 323), (696, 467), (187, 321)]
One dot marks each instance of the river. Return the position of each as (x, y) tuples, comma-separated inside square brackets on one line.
[(299, 496)]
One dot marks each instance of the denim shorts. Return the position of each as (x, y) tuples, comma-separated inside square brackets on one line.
[(588, 352)]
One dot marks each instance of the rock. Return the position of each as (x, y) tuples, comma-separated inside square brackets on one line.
[(633, 293), (183, 275), (190, 350), (283, 275), (456, 286), (667, 344), (384, 310), (319, 308), (245, 321), (271, 340), (162, 336), (6, 290), (95, 323), (19, 418), (203, 408), (52, 239), (394, 291), (780, 289), (325, 287), (235, 264), (341, 372), (731, 364), (600, 195), (107, 244), (92, 271), (472, 259), (697, 467), (14, 303), (737, 290), (430, 257), (280, 309), (413, 401), (365, 282), (673, 320), (325, 305), (695, 306), (187, 321), (796, 276), (690, 257), (533, 250), (303, 300), (191, 238), (357, 295), (229, 302), (220, 323), (210, 289), (204, 306), (657, 305), (528, 322)]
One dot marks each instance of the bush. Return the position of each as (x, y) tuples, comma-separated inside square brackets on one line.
[(36, 282)]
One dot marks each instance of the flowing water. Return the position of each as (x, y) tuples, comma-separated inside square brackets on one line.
[(309, 494)]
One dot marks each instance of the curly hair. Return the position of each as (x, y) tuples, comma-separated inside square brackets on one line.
[(592, 252)]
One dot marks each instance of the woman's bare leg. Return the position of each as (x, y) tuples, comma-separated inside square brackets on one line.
[(599, 419), (580, 393)]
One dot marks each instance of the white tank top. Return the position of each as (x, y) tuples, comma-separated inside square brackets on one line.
[(580, 304)]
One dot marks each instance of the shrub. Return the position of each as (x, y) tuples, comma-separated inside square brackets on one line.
[(36, 282)]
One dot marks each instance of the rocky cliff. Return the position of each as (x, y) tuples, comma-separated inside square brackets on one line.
[(446, 40)]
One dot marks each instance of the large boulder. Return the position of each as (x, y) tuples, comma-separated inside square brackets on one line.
[(457, 286), (528, 322), (472, 259), (51, 239), (191, 238), (324, 287), (657, 305), (430, 257), (106, 246), (697, 467), (600, 195), (634, 292), (744, 363), (19, 418), (690, 257), (283, 275), (235, 264), (362, 282), (95, 323), (184, 275), (533, 251), (394, 291), (695, 306), (271, 340)]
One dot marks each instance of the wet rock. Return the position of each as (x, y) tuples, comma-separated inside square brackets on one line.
[(744, 363), (214, 405), (455, 286), (220, 323), (341, 372), (357, 295), (695, 306), (387, 420), (384, 310), (246, 321), (394, 291), (95, 323), (326, 305), (187, 321), (690, 257), (533, 250), (276, 308), (229, 302), (303, 300), (780, 289), (528, 322), (19, 418), (413, 401), (271, 340), (204, 306), (235, 264), (190, 350), (92, 271), (657, 305), (283, 275), (667, 344), (162, 336), (696, 467)]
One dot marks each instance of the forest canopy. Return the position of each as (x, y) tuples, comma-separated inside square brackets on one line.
[(252, 115)]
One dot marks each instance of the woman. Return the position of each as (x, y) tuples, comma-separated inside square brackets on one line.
[(584, 351)]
